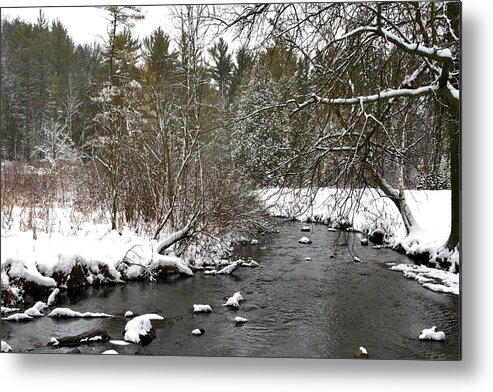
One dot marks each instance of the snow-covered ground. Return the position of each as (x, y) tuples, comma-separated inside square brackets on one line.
[(46, 246)]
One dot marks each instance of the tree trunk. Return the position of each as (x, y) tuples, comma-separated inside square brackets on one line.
[(455, 181)]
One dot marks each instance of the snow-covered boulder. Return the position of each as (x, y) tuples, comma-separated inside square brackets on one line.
[(198, 308), (5, 348), (356, 259), (129, 314), (364, 241), (198, 331), (139, 330), (306, 228), (210, 272), (432, 334), (331, 229), (254, 242), (240, 320), (304, 240), (308, 259)]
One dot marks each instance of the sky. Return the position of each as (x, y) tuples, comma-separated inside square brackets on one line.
[(88, 24)]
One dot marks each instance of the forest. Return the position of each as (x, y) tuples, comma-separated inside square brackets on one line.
[(319, 95)]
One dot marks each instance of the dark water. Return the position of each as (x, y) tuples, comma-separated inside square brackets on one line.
[(323, 308)]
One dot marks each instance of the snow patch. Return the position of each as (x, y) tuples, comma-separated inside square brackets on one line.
[(69, 313), (443, 281)]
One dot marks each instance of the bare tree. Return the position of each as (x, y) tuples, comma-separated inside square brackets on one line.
[(370, 64)]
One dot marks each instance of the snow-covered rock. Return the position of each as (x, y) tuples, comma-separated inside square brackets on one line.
[(240, 320), (17, 317), (304, 240), (36, 310), (69, 313), (361, 353), (33, 312), (53, 342), (254, 242), (199, 308), (198, 331), (432, 334), (5, 348), (234, 300), (210, 272), (52, 297), (364, 242), (356, 259), (306, 228), (139, 329), (308, 259), (92, 336), (6, 310), (110, 352), (129, 314), (331, 229)]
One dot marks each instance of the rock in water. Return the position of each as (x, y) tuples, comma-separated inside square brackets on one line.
[(432, 334), (110, 352), (240, 320), (361, 353), (92, 336), (202, 308), (304, 240), (377, 236)]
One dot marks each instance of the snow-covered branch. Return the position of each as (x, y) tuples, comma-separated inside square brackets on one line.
[(387, 94)]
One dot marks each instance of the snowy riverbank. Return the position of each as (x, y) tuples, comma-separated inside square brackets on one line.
[(368, 210), (52, 251)]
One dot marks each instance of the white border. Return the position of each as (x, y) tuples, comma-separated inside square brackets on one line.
[(474, 373)]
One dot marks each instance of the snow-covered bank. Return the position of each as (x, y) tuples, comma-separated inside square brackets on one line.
[(62, 250), (431, 278), (367, 211)]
